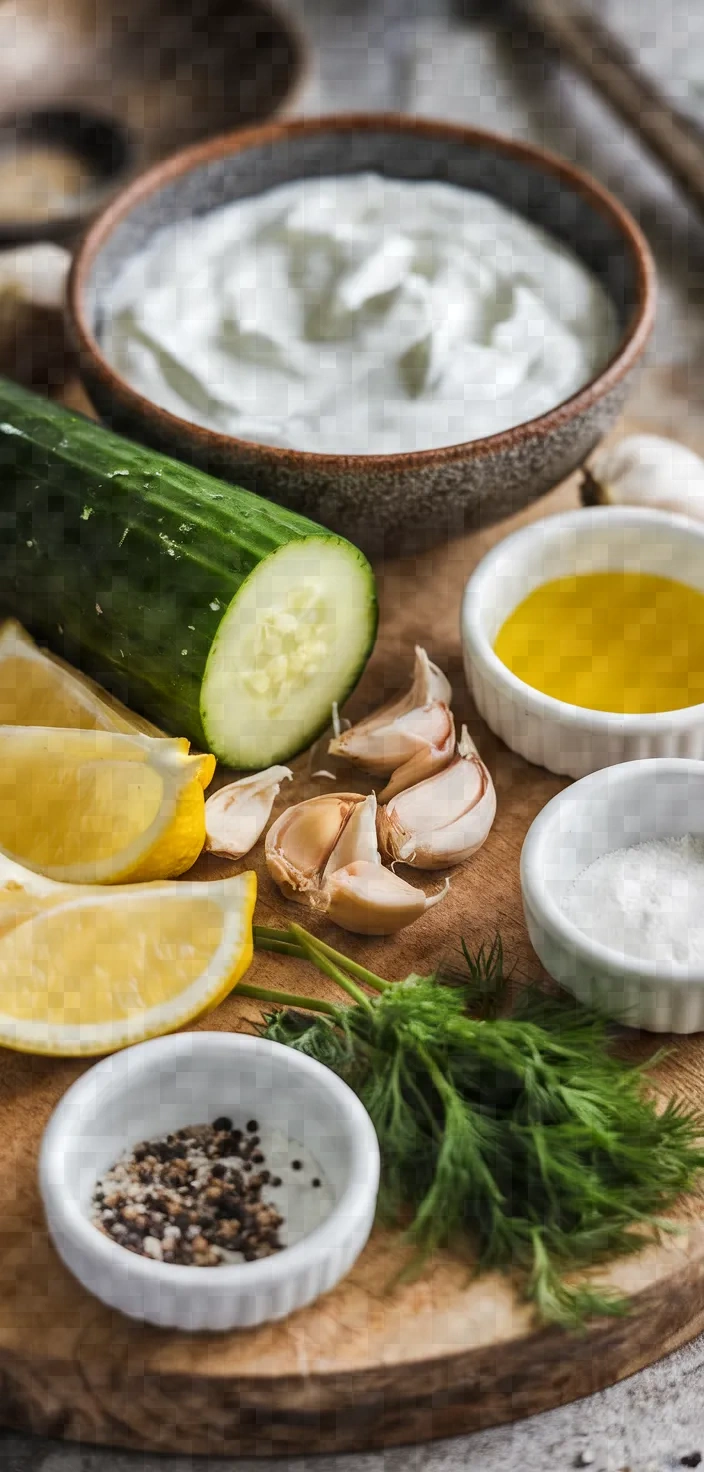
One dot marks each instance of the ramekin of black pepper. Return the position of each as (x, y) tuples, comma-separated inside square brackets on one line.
[(209, 1181)]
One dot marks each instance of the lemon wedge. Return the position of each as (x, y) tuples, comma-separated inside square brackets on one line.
[(38, 689), (84, 970), (100, 807)]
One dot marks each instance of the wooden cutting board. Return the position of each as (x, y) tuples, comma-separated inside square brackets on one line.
[(367, 1365)]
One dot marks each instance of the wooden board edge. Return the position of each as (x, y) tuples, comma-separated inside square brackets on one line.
[(353, 1412)]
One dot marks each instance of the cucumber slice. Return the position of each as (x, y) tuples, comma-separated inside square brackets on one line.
[(296, 634)]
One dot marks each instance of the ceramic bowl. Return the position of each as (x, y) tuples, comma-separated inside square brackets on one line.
[(154, 75), (568, 739), (383, 502), (192, 1078), (608, 810), (100, 142)]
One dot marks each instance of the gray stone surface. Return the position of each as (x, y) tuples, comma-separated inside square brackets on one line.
[(415, 55)]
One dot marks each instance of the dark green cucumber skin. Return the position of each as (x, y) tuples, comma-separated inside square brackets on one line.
[(110, 569)]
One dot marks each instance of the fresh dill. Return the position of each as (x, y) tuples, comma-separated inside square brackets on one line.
[(512, 1129)]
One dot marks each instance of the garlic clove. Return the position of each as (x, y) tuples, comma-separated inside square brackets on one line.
[(369, 900), (443, 820), (393, 734), (236, 815), (646, 470), (380, 749), (300, 842), (357, 840), (431, 757), (324, 853), (429, 682)]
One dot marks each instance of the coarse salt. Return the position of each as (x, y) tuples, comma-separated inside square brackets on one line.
[(646, 901)]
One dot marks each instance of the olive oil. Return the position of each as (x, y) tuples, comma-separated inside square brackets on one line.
[(627, 642)]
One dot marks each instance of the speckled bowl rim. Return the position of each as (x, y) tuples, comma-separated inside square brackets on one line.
[(629, 349)]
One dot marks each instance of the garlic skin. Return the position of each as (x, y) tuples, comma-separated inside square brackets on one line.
[(444, 820), (323, 853), (646, 470), (408, 739), (236, 815)]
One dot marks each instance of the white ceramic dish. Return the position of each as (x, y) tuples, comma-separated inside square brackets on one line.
[(570, 739), (191, 1078), (615, 808)]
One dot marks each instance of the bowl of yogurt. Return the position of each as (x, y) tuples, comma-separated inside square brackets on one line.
[(400, 328)]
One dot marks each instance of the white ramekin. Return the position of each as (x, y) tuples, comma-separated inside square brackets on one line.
[(191, 1078), (569, 739), (614, 808)]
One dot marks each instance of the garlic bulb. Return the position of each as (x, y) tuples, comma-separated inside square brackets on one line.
[(38, 273), (33, 345), (443, 820), (237, 815), (646, 470), (408, 739), (324, 853)]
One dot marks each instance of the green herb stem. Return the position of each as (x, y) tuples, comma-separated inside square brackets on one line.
[(267, 938), (270, 932), (353, 968), (285, 999), (279, 947), (310, 947)]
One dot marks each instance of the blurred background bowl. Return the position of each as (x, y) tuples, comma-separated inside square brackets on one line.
[(58, 166), (380, 501), (118, 85)]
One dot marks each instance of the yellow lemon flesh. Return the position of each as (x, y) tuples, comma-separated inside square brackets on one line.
[(89, 970), (100, 807), (37, 689)]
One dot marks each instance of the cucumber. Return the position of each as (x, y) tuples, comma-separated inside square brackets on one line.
[(217, 614)]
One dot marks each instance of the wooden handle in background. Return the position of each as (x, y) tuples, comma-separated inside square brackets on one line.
[(607, 63)]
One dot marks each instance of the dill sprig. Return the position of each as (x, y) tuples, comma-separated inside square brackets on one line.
[(513, 1129)]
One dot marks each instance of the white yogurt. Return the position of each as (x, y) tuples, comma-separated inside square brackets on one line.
[(358, 315)]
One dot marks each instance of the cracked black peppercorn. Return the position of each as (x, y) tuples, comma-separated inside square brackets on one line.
[(177, 1200)]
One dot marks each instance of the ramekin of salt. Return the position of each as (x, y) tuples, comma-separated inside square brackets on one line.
[(209, 1181), (612, 875)]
